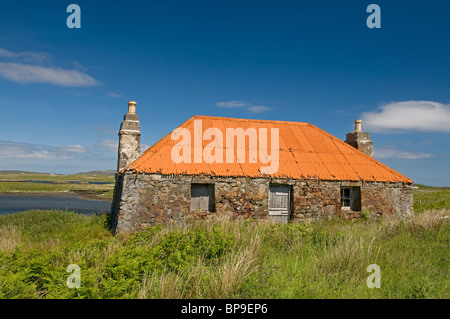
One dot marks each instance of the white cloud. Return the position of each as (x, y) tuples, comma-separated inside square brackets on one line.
[(381, 153), (232, 104), (109, 145), (409, 115), (43, 154), (248, 106), (28, 67), (21, 151), (6, 54), (73, 149), (27, 73), (34, 151), (258, 108), (78, 66), (113, 94), (27, 56)]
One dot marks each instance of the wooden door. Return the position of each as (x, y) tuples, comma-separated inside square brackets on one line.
[(279, 199)]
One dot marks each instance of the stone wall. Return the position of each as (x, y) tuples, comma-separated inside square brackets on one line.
[(387, 198), (148, 199)]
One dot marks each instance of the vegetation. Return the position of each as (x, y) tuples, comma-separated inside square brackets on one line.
[(226, 259), (27, 176), (81, 184), (427, 197)]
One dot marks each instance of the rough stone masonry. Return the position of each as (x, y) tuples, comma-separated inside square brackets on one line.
[(150, 199), (129, 138)]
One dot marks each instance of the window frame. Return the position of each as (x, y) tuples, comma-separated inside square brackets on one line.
[(345, 198)]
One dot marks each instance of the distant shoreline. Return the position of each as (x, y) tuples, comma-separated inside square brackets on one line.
[(84, 195)]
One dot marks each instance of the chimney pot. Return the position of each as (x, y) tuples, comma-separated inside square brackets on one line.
[(358, 125), (131, 107)]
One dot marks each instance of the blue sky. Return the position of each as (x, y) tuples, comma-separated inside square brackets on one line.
[(63, 92)]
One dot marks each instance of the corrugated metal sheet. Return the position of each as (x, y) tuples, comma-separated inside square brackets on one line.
[(305, 152)]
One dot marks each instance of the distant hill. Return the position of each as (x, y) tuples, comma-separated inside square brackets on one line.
[(108, 172), (433, 188), (23, 172), (95, 172)]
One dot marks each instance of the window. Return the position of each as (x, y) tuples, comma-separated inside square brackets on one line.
[(279, 199), (351, 198), (345, 198), (202, 197)]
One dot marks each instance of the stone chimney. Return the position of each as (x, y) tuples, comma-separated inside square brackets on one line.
[(360, 140), (129, 138)]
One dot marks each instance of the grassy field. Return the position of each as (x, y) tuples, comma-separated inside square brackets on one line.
[(427, 197), (4, 176), (224, 259), (22, 183)]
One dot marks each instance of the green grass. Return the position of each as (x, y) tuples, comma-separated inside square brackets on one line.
[(25, 187), (19, 183), (427, 197), (228, 259), (224, 259)]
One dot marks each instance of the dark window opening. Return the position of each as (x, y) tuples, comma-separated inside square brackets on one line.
[(351, 198), (202, 197)]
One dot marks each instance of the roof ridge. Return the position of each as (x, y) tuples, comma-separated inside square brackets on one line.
[(245, 120)]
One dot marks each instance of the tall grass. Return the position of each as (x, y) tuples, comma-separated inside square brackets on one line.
[(10, 238), (224, 259), (198, 280)]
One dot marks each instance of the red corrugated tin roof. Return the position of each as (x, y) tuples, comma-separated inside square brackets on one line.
[(305, 152)]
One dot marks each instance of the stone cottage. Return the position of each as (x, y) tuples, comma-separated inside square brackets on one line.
[(241, 168)]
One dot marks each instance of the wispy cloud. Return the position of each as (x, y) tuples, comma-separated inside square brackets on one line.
[(27, 67), (25, 57), (113, 94), (27, 73), (78, 66), (258, 108), (409, 115), (391, 152), (108, 145), (44, 152), (73, 149), (231, 104), (242, 104)]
